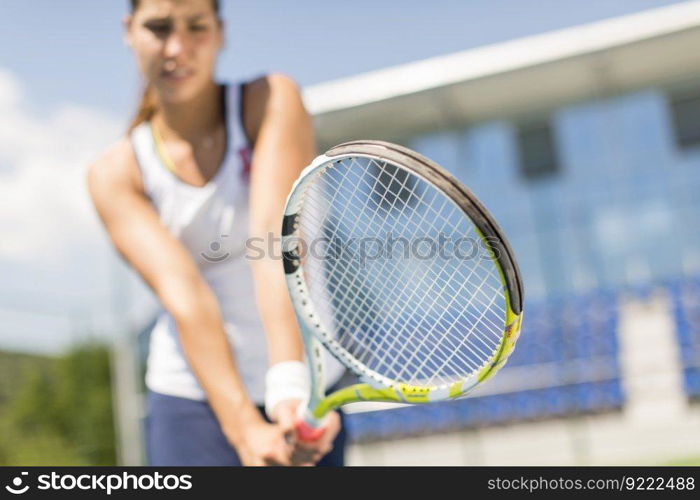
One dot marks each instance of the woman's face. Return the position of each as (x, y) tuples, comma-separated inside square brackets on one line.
[(176, 43)]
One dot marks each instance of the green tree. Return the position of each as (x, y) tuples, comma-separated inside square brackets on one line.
[(60, 412)]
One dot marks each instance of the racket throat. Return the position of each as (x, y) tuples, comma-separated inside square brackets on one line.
[(317, 369)]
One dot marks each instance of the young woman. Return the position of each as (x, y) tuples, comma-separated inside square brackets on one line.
[(204, 168)]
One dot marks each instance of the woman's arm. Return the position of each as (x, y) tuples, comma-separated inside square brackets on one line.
[(282, 132), (284, 145), (166, 266)]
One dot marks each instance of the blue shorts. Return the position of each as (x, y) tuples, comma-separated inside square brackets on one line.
[(181, 432)]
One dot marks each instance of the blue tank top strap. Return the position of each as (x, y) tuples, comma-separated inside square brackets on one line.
[(238, 138)]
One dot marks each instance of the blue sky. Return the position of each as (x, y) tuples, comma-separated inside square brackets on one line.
[(68, 85), (76, 54)]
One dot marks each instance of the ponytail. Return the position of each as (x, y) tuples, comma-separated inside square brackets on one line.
[(146, 110)]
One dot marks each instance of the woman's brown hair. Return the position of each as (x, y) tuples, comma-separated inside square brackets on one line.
[(148, 104)]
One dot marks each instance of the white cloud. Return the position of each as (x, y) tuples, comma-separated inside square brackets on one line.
[(45, 207), (57, 269)]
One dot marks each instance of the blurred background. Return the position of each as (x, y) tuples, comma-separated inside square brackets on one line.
[(576, 123)]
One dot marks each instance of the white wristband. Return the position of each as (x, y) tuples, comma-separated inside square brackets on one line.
[(284, 381)]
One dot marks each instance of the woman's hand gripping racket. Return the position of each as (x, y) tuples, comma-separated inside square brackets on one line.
[(401, 273)]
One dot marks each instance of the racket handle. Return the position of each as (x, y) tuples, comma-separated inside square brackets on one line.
[(308, 428), (307, 433)]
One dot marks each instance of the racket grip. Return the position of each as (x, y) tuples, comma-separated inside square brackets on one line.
[(306, 430), (307, 433)]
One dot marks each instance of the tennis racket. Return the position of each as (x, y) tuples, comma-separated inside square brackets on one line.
[(401, 273)]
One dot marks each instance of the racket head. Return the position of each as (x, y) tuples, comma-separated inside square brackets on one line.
[(413, 329)]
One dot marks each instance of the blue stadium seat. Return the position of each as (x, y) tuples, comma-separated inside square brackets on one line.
[(692, 382), (685, 300)]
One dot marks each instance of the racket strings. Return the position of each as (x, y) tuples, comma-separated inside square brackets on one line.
[(447, 285), (345, 319), (410, 221), (331, 271), (482, 352), (353, 285), (415, 321), (457, 349), (399, 325), (428, 313)]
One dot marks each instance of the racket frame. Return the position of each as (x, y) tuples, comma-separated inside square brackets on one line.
[(374, 386)]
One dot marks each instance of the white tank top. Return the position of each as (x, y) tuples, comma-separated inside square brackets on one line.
[(212, 223)]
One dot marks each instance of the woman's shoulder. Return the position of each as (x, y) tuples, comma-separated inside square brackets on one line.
[(262, 85), (116, 165), (269, 95)]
